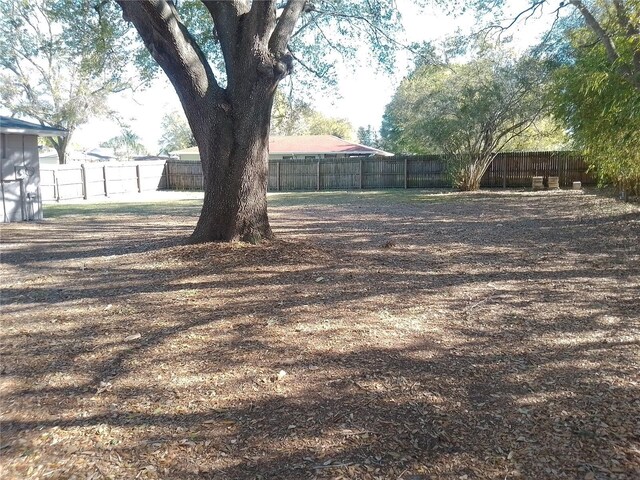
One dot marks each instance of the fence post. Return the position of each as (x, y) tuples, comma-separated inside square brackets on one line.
[(106, 181), (504, 171), (83, 174), (167, 174), (318, 175), (56, 190), (405, 173), (278, 176), (138, 178), (361, 174)]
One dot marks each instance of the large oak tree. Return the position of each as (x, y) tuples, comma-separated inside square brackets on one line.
[(229, 109)]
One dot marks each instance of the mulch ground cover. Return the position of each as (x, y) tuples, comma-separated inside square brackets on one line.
[(458, 336)]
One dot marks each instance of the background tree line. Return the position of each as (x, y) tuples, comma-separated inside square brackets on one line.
[(578, 89)]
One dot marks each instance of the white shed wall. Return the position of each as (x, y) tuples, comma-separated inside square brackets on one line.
[(20, 172)]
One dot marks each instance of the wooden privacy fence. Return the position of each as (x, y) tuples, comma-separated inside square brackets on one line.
[(509, 169), (515, 169), (87, 180)]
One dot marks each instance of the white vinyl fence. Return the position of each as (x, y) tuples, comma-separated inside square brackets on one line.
[(87, 180)]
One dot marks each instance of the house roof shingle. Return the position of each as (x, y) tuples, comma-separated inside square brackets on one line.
[(13, 125), (316, 144), (309, 145)]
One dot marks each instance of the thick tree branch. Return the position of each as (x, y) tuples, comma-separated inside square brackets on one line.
[(632, 32), (631, 74), (172, 46), (624, 20), (261, 19), (49, 53), (595, 26), (285, 26), (226, 15)]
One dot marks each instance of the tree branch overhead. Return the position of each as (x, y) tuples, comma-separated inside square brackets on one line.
[(171, 45)]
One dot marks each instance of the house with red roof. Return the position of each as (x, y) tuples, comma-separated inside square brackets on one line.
[(303, 147)]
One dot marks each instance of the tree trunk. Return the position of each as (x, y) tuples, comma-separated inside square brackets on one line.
[(230, 124), (60, 146), (470, 176), (235, 189), (234, 155)]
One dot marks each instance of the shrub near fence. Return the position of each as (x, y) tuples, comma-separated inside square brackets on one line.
[(87, 180), (509, 169)]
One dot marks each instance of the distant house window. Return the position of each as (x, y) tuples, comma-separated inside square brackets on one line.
[(330, 155), (309, 157), (287, 157)]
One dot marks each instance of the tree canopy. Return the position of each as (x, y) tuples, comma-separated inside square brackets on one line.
[(614, 25), (292, 116), (176, 133), (125, 145), (602, 109), (60, 60), (369, 136), (467, 111)]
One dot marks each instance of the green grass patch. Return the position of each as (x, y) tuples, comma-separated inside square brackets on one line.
[(383, 197), (161, 207), (191, 205)]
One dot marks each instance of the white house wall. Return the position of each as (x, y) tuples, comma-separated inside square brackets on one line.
[(49, 160), (190, 156), (20, 162)]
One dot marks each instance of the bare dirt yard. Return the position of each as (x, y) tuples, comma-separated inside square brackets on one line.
[(386, 335)]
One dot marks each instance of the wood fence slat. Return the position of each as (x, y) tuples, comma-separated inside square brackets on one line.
[(508, 169)]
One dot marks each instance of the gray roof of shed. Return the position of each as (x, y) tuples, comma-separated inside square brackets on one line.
[(13, 125)]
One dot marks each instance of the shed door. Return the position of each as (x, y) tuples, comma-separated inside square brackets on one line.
[(12, 202)]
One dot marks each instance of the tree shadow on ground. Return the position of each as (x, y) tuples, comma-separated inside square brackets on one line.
[(445, 355)]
